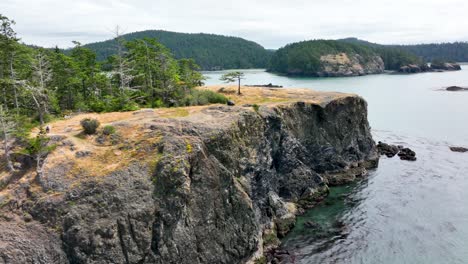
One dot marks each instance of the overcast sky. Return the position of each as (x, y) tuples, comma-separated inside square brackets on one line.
[(271, 23)]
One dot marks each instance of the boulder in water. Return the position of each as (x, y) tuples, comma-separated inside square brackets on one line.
[(407, 154), (392, 150), (456, 89), (387, 150), (459, 149)]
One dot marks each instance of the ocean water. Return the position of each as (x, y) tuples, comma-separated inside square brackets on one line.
[(404, 212)]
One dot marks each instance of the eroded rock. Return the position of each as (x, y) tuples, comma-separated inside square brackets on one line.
[(407, 154), (392, 150), (204, 193)]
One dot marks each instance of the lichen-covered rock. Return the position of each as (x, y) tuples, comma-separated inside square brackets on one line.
[(224, 181)]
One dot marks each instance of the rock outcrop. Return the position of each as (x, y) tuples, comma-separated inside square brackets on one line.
[(392, 150), (413, 68), (445, 66), (216, 186), (346, 65), (434, 67)]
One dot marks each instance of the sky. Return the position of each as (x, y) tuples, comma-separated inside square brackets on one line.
[(271, 23)]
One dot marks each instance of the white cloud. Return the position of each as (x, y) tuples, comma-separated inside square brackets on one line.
[(271, 23)]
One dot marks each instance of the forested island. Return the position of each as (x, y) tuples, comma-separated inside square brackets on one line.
[(211, 52), (336, 58), (349, 57)]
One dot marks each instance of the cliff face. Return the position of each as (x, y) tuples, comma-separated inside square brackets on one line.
[(343, 65), (216, 186)]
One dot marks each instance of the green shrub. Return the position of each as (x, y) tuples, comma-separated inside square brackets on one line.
[(203, 97), (129, 106), (90, 125), (256, 107), (108, 130), (39, 145), (97, 106)]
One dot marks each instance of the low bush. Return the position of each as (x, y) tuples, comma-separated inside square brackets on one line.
[(90, 125), (203, 97), (256, 107), (108, 130)]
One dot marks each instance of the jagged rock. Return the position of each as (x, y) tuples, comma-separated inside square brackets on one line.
[(29, 242), (459, 149), (407, 154), (392, 150), (412, 68), (203, 194), (388, 150)]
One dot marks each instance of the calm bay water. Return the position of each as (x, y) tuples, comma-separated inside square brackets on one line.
[(404, 212)]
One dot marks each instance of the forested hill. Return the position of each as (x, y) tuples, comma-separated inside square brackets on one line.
[(457, 51), (307, 57), (208, 50)]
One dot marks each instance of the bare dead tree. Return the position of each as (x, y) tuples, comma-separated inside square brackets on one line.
[(37, 87), (6, 126), (123, 66)]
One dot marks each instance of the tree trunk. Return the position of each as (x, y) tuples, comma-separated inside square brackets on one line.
[(150, 78), (13, 77), (7, 153), (5, 144), (238, 88), (5, 102), (39, 109)]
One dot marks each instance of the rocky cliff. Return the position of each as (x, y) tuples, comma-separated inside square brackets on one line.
[(344, 65), (211, 184)]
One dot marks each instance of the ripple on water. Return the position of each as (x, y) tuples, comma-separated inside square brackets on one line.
[(404, 212)]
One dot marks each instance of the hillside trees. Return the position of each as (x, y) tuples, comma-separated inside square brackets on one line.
[(209, 51), (8, 41), (6, 129), (38, 84)]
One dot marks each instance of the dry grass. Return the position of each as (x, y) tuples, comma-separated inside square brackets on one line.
[(131, 126), (175, 112), (273, 96)]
